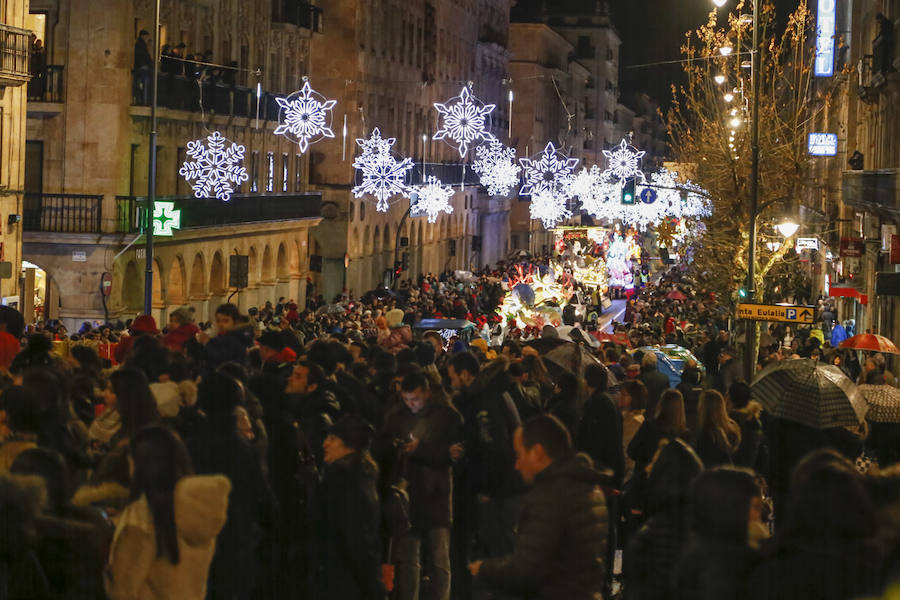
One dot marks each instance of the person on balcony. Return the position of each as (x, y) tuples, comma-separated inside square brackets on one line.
[(143, 66)]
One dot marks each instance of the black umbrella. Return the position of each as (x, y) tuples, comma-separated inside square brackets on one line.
[(809, 392)]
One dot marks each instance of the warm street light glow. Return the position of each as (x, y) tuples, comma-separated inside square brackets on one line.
[(729, 97), (725, 50), (733, 112), (787, 227), (735, 122), (746, 65), (720, 3), (720, 79)]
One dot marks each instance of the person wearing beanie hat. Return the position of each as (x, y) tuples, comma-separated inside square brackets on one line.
[(398, 335), (273, 351), (350, 514)]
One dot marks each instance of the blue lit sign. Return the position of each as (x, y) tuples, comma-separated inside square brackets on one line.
[(822, 144), (825, 16)]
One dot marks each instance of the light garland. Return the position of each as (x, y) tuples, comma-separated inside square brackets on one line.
[(465, 119), (215, 168), (383, 175), (496, 165), (549, 209), (433, 199)]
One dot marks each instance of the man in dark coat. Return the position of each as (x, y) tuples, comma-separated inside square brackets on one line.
[(655, 381), (421, 430), (560, 549), (729, 369), (600, 432), (143, 64)]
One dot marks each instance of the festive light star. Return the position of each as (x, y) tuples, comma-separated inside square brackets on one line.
[(383, 176), (551, 173), (214, 167), (548, 208), (465, 119), (496, 164), (433, 199), (624, 162), (305, 117)]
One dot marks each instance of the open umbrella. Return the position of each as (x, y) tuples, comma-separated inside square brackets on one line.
[(330, 309), (883, 401), (870, 341), (810, 393), (676, 295), (562, 356)]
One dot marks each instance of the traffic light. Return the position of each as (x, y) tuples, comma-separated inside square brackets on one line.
[(398, 267), (628, 191), (742, 293)]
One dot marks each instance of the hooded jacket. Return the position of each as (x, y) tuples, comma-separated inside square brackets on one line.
[(135, 572), (561, 544)]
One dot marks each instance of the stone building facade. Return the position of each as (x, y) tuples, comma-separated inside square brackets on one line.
[(88, 153), (856, 192), (387, 62), (15, 74)]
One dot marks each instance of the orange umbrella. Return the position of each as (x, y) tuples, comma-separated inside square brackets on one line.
[(870, 341)]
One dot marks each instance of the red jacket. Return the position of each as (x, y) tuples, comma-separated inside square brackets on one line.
[(181, 335), (9, 347)]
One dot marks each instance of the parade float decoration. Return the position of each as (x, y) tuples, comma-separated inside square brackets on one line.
[(382, 174), (305, 116), (215, 168)]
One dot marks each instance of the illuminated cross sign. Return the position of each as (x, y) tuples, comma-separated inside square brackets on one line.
[(825, 16), (165, 218), (822, 144)]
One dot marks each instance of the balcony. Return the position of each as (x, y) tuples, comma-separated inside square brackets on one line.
[(298, 13), (211, 212), (14, 46), (876, 190), (62, 213), (47, 86), (179, 92)]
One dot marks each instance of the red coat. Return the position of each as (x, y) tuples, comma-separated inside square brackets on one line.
[(181, 335), (9, 347)]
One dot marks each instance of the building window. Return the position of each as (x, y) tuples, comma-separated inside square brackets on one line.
[(362, 211), (254, 172), (270, 171), (284, 172)]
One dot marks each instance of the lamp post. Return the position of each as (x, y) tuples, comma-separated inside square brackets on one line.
[(753, 209), (151, 176)]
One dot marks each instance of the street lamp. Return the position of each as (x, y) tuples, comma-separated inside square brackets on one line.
[(719, 79), (725, 50), (754, 178), (787, 225), (728, 97)]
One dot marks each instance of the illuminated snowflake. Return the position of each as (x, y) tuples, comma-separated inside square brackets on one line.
[(549, 209), (383, 175), (552, 174), (596, 193), (433, 199), (214, 167), (624, 162), (465, 120), (496, 164), (305, 115)]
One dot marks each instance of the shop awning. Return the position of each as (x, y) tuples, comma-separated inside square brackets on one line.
[(848, 292)]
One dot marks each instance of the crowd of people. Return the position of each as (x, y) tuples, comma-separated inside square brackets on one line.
[(329, 451)]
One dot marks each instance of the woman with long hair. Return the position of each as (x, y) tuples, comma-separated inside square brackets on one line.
[(633, 404), (718, 437), (166, 537), (349, 514)]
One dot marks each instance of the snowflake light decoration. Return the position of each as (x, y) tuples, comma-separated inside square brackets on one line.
[(433, 199), (465, 120), (383, 175), (496, 165), (549, 209), (624, 162), (305, 116), (552, 174), (214, 167)]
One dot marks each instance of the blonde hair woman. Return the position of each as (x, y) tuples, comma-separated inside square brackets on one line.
[(718, 435)]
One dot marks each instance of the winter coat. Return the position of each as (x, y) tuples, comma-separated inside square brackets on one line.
[(656, 384), (228, 347), (650, 557), (753, 452), (396, 339), (490, 420), (884, 442), (349, 542), (135, 572), (12, 446), (645, 443), (823, 569), (428, 469), (560, 549), (711, 451), (216, 449), (600, 435), (713, 570), (527, 399)]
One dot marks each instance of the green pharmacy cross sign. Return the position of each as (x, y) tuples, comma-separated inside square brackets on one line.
[(165, 218)]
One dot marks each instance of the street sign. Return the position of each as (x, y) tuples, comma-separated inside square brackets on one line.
[(822, 144), (895, 249), (852, 247), (807, 244), (776, 312)]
